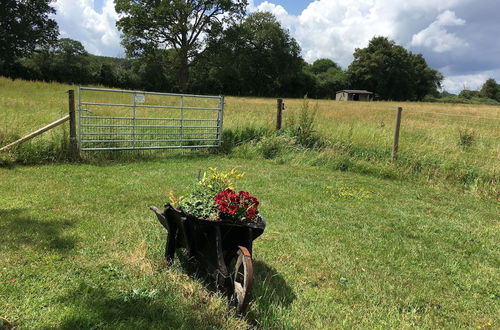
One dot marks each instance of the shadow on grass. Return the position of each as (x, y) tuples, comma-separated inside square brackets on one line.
[(271, 295), (34, 156), (269, 284), (98, 308), (105, 158), (20, 228)]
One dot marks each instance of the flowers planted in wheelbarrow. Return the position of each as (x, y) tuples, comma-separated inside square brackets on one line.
[(217, 226), (214, 198)]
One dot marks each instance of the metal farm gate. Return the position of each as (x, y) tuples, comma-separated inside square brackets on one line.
[(110, 119)]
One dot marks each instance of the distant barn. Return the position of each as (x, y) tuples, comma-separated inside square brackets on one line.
[(354, 95)]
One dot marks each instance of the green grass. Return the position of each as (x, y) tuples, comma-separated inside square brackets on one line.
[(358, 135), (339, 250), (352, 240)]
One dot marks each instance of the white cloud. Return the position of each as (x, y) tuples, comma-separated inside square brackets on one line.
[(436, 37), (456, 83), (453, 35), (79, 20), (333, 29)]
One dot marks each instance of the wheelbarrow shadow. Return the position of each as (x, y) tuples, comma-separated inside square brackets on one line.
[(270, 291), (269, 284)]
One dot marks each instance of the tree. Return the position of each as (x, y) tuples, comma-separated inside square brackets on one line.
[(24, 26), (490, 89), (150, 25), (70, 61), (256, 57), (329, 77), (322, 65), (392, 72)]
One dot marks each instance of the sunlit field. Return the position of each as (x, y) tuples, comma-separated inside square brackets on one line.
[(352, 240), (454, 142)]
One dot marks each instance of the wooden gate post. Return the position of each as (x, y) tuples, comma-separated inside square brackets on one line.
[(73, 143), (397, 125), (279, 108)]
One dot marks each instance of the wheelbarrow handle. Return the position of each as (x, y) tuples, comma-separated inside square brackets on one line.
[(160, 216)]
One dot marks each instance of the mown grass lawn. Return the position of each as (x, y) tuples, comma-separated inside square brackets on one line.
[(79, 249)]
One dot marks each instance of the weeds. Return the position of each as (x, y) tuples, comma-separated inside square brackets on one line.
[(232, 138), (40, 150), (304, 129), (274, 146), (467, 137)]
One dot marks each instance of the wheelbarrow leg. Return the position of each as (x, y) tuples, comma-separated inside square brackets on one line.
[(170, 246), (185, 234), (171, 234), (222, 273)]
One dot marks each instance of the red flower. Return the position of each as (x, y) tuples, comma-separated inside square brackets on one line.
[(236, 205), (13, 280)]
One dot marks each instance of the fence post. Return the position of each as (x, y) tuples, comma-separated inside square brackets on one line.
[(73, 143), (397, 125), (279, 108)]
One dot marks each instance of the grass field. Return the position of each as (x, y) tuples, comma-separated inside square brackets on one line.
[(342, 249), (451, 143)]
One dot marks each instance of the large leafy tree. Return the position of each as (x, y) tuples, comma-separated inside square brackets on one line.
[(392, 72), (24, 26), (71, 61), (256, 57), (65, 60), (184, 25), (322, 65), (329, 77)]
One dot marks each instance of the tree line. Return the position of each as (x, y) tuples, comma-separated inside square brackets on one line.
[(204, 46)]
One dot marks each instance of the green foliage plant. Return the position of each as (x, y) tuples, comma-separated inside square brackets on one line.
[(306, 124), (200, 201)]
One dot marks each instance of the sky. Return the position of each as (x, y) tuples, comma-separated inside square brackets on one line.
[(457, 37)]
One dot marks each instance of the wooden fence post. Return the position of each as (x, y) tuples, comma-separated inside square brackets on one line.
[(73, 143), (395, 145), (279, 108)]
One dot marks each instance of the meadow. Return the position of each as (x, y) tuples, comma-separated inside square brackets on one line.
[(351, 239), (456, 144)]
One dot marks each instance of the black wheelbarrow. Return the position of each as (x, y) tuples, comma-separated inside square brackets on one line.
[(223, 247)]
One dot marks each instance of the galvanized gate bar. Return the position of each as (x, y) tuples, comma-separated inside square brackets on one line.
[(147, 93), (146, 106), (104, 125)]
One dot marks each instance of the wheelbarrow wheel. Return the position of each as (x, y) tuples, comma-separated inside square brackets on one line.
[(242, 279)]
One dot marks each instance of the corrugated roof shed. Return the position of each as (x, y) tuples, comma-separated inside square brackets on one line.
[(356, 91)]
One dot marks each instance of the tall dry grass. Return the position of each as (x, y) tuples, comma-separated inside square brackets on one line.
[(430, 141)]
